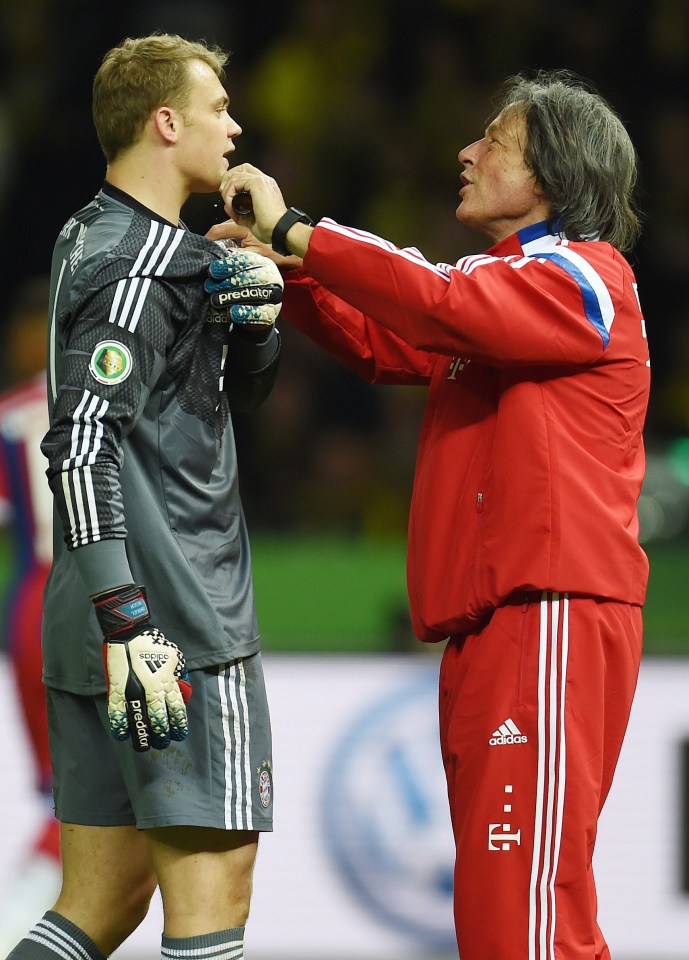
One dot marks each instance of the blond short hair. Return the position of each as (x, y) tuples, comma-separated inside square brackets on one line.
[(140, 75)]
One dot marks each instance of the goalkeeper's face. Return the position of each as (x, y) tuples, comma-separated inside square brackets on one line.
[(206, 133)]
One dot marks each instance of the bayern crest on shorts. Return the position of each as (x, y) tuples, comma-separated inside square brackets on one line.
[(265, 784)]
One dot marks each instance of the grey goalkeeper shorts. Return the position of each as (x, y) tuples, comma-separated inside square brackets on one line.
[(220, 776)]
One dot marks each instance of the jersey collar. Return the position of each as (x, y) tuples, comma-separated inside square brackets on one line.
[(535, 231), (116, 194), (513, 245)]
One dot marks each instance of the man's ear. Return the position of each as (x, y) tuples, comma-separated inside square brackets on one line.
[(166, 122)]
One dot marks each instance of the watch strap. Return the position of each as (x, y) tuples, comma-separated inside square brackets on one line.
[(285, 223)]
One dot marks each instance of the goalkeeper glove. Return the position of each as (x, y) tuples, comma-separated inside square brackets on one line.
[(245, 288), (148, 682)]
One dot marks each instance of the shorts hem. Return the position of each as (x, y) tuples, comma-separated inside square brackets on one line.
[(93, 821), (152, 823)]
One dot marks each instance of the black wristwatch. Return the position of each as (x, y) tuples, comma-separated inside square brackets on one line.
[(286, 221)]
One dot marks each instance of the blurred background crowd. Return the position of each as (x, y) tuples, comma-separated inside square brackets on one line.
[(359, 108)]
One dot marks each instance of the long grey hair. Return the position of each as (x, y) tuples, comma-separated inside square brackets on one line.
[(581, 155)]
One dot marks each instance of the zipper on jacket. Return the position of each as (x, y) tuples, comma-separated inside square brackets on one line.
[(479, 502)]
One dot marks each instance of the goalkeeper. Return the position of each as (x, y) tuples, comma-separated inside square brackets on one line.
[(150, 595)]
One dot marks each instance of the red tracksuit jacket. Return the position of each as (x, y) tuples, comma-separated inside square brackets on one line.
[(531, 458)]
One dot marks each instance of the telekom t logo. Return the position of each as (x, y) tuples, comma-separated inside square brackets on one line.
[(501, 835), (457, 364), (502, 840)]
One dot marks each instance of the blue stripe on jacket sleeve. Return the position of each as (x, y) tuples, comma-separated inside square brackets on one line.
[(592, 306)]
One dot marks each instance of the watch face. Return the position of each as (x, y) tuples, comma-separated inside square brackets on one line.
[(286, 221), (303, 217)]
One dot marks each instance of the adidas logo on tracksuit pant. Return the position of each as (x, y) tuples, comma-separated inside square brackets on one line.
[(507, 732)]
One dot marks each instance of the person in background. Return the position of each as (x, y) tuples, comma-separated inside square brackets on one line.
[(26, 515), (150, 594), (523, 549)]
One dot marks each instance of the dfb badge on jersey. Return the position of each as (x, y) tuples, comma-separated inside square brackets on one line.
[(111, 362)]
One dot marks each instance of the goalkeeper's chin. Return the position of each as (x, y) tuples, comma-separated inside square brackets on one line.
[(210, 183)]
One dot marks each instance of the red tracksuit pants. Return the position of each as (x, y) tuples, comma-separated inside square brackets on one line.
[(533, 712)]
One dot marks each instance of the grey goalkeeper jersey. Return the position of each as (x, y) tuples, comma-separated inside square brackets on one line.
[(140, 449)]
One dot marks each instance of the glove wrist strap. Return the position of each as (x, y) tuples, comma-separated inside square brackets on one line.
[(122, 613)]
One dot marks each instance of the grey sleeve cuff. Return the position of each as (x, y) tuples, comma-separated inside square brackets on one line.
[(254, 356), (103, 565)]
